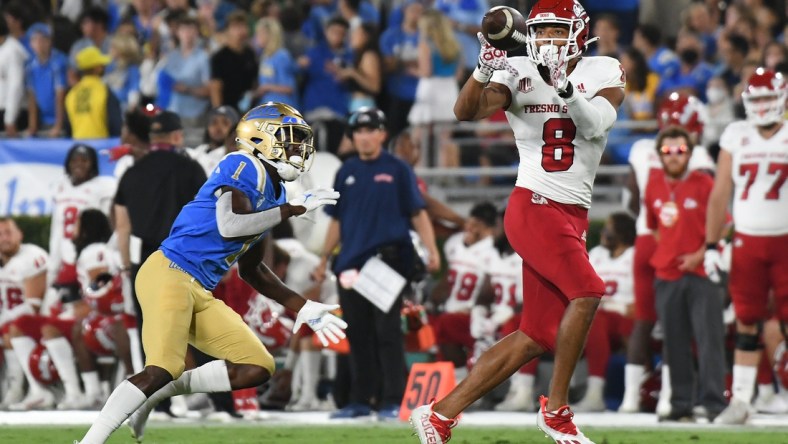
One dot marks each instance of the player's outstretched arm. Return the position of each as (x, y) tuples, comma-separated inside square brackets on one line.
[(234, 216), (715, 216), (480, 98), (318, 316)]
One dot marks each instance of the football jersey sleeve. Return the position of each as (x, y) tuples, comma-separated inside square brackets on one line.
[(35, 261), (731, 137), (240, 171), (611, 73)]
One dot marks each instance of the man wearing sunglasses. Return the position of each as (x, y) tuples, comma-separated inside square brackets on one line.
[(689, 306)]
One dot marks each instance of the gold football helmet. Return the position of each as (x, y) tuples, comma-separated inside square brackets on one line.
[(270, 132)]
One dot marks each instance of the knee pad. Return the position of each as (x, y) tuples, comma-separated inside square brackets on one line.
[(747, 342)]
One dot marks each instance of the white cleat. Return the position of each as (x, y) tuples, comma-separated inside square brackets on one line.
[(74, 403), (428, 427), (664, 408), (590, 403), (305, 406), (13, 396), (558, 425), (517, 400), (629, 406), (136, 424), (771, 403), (737, 412), (43, 400)]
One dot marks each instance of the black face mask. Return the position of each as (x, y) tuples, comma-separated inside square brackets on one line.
[(689, 56)]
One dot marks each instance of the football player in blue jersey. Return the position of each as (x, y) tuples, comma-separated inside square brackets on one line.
[(242, 199)]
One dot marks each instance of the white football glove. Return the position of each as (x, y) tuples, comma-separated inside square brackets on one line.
[(555, 59), (315, 198), (491, 59), (317, 316), (712, 264)]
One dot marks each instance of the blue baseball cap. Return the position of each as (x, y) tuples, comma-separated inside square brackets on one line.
[(40, 28)]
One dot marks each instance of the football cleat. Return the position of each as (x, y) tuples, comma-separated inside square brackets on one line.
[(428, 427), (558, 424), (37, 400), (737, 412)]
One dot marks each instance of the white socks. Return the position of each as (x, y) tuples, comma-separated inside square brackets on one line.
[(124, 400), (291, 357), (522, 381), (63, 357), (310, 375), (23, 347), (14, 374), (633, 379), (136, 352), (208, 378), (92, 384), (744, 377), (596, 387)]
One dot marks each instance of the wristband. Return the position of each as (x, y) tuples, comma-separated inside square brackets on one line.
[(481, 76), (712, 246), (570, 89)]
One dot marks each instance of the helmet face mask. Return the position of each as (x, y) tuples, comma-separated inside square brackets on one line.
[(277, 134), (764, 97), (558, 13)]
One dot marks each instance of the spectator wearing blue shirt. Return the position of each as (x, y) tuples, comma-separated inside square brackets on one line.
[(466, 17), (123, 73), (189, 67), (661, 60), (323, 10), (45, 78), (733, 51), (693, 73), (94, 24), (399, 47), (380, 203), (326, 97), (276, 77)]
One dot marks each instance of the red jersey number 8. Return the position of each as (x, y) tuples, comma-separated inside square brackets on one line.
[(70, 215), (558, 151), (467, 284)]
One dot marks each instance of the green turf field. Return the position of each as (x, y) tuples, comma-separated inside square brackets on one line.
[(387, 434)]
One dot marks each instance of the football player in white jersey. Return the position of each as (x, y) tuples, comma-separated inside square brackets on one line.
[(612, 260), (561, 107), (468, 254), (81, 188), (22, 285), (752, 168), (690, 113)]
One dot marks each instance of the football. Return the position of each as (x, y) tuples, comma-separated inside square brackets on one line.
[(504, 28)]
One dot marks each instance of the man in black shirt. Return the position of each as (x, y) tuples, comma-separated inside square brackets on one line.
[(152, 192), (234, 67)]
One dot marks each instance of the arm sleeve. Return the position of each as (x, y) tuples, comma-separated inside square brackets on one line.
[(114, 118), (236, 225)]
